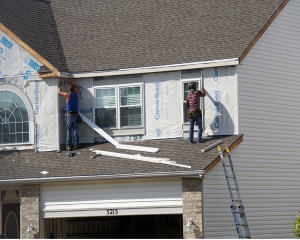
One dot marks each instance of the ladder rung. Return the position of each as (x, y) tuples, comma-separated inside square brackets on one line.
[(228, 165), (238, 200), (234, 189), (232, 177)]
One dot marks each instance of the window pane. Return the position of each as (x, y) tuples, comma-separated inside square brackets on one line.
[(11, 226), (19, 137), (2, 95), (5, 138), (11, 96), (106, 117), (131, 116), (19, 127), (12, 127), (23, 111), (105, 98), (12, 138), (185, 113), (26, 127), (186, 88), (130, 96), (17, 114), (1, 136), (25, 137), (5, 128)]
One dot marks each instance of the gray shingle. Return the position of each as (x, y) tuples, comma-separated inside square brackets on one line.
[(100, 35), (28, 164)]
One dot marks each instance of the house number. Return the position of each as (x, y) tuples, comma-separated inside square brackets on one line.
[(112, 211)]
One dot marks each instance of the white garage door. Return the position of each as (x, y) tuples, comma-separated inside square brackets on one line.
[(105, 198)]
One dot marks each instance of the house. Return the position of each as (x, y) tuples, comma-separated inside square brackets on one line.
[(133, 62)]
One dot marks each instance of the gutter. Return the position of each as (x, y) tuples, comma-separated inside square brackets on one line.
[(154, 69), (196, 173)]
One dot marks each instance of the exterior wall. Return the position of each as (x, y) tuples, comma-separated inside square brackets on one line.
[(192, 206), (30, 209), (267, 162)]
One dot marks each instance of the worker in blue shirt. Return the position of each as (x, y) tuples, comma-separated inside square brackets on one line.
[(72, 113)]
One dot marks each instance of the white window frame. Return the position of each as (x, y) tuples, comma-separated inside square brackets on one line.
[(118, 104), (21, 94), (183, 81)]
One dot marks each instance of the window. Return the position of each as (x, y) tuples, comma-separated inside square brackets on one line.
[(118, 106), (11, 229), (185, 93), (14, 122)]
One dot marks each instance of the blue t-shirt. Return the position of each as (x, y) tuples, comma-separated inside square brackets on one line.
[(72, 104)]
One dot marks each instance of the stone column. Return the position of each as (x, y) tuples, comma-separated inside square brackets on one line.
[(192, 207), (30, 209)]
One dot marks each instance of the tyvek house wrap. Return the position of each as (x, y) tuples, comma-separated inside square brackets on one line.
[(85, 106), (163, 106), (16, 64), (220, 103), (43, 96)]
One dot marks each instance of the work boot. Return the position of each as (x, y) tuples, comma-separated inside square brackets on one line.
[(69, 148), (76, 148)]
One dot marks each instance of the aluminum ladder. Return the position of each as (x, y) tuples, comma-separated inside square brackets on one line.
[(239, 215)]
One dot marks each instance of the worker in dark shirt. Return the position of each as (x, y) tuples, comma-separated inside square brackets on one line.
[(194, 114), (72, 113)]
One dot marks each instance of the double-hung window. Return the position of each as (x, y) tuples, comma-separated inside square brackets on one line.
[(118, 106), (186, 90)]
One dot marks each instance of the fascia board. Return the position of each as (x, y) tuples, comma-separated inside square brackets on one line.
[(195, 173), (155, 69)]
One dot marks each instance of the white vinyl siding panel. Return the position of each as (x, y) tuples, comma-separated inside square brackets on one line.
[(128, 197), (267, 162)]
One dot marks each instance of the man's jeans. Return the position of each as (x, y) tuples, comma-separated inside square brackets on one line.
[(191, 131), (71, 123)]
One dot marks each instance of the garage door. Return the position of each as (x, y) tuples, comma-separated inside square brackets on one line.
[(105, 198)]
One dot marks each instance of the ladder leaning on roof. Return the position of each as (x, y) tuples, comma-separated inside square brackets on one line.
[(238, 224)]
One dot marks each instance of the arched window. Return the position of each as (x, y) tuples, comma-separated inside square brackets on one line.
[(11, 226), (14, 118)]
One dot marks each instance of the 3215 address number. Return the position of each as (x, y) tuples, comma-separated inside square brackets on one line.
[(112, 211)]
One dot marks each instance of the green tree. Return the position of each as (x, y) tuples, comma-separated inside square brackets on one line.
[(296, 228)]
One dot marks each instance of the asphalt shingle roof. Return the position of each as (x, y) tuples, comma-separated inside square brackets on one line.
[(29, 164), (97, 35)]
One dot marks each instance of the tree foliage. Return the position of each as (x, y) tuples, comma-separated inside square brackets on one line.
[(296, 228)]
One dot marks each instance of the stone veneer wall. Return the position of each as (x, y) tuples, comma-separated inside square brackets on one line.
[(192, 206), (30, 209)]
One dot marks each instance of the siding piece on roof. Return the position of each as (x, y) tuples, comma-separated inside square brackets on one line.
[(267, 162), (108, 35)]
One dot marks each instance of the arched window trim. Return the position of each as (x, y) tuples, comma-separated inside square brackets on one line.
[(23, 96), (16, 222)]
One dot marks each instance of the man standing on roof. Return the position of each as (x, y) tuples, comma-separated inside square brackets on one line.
[(194, 114), (72, 113)]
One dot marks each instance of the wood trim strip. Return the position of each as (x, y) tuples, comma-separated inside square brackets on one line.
[(28, 49), (262, 31), (48, 75), (218, 159)]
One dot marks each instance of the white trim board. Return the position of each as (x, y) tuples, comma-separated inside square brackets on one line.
[(140, 158), (156, 69), (114, 142)]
